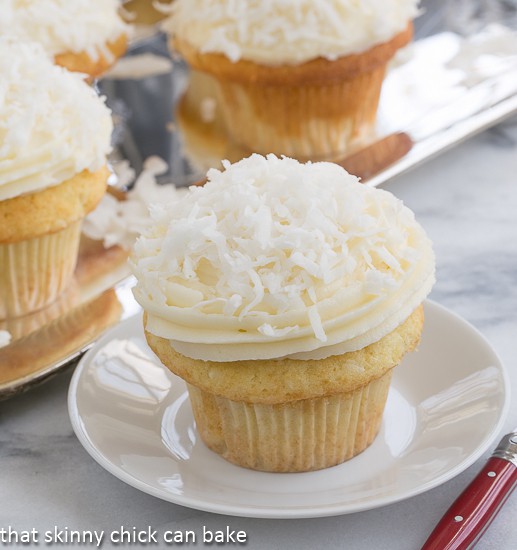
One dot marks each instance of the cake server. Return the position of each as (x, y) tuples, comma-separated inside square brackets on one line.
[(472, 512)]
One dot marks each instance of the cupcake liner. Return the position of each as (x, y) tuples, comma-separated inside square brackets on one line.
[(303, 121), (319, 109), (298, 436), (36, 271)]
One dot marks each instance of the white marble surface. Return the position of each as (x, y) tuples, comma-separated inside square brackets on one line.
[(467, 201)]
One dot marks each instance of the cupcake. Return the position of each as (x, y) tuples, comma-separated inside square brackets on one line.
[(296, 77), (284, 294), (55, 135), (86, 36)]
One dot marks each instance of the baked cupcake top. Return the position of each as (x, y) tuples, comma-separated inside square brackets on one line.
[(277, 32), (52, 124), (62, 26), (273, 258)]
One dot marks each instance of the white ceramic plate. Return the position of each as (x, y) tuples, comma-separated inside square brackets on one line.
[(446, 405)]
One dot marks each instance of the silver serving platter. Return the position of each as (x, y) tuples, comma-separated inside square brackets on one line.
[(160, 109)]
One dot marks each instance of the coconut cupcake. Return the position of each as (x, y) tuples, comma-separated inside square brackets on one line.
[(296, 77), (86, 36), (284, 294), (55, 135)]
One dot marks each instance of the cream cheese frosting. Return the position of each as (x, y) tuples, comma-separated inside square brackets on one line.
[(273, 258), (273, 32), (52, 124), (62, 26)]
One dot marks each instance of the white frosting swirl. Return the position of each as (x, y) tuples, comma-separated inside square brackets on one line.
[(273, 258), (275, 32), (62, 26), (52, 124)]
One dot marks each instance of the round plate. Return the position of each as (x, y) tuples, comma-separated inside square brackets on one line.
[(446, 404)]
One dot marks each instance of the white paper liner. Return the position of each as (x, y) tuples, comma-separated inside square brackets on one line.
[(36, 271), (299, 436), (296, 127)]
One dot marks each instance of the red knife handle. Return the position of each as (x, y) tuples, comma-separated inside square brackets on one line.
[(472, 512)]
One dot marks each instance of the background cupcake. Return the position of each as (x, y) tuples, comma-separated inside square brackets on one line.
[(284, 294), (54, 137), (296, 77), (86, 36)]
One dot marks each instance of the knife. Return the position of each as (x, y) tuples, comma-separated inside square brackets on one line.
[(472, 512)]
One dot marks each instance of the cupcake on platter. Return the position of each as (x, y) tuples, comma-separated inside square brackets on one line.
[(55, 134), (284, 294), (296, 77), (86, 36)]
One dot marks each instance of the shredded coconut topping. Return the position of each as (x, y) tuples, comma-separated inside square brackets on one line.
[(288, 31), (64, 25), (119, 222), (274, 250), (52, 124)]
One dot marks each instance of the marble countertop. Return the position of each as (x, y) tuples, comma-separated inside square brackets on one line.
[(467, 201)]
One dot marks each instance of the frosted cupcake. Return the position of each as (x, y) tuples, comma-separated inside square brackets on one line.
[(54, 137), (86, 36), (284, 295), (296, 77)]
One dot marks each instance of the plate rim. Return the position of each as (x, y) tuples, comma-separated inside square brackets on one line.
[(306, 512)]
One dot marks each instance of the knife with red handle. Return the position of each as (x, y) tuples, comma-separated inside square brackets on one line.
[(472, 512)]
